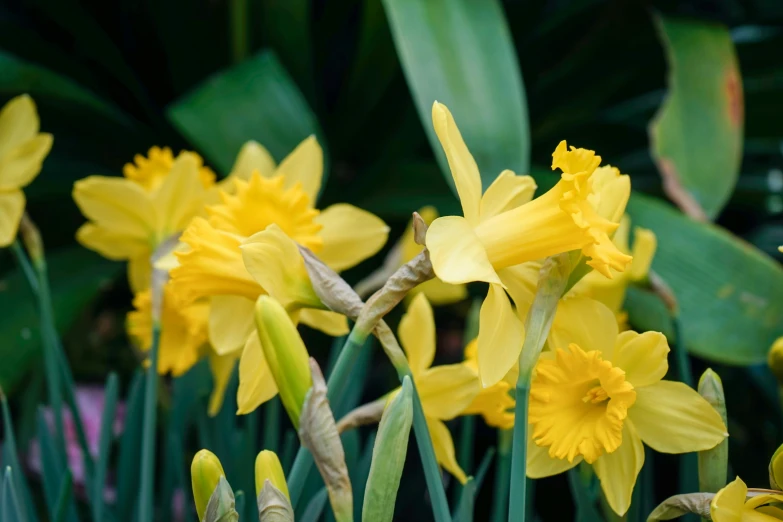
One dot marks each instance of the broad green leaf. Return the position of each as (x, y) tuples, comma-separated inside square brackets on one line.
[(697, 134), (255, 100), (460, 53), (76, 275), (730, 294)]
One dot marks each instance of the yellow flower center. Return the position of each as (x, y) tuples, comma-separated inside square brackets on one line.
[(578, 403), (260, 202), (150, 171)]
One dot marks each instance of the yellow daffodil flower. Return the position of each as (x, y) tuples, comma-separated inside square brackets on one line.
[(183, 338), (611, 292), (731, 504), (22, 151), (494, 403), (503, 229), (598, 394), (262, 197), (437, 292), (445, 391), (131, 216)]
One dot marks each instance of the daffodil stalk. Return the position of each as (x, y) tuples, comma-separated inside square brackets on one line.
[(552, 281), (146, 497)]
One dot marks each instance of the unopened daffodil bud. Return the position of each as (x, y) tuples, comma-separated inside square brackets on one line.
[(776, 469), (268, 467), (714, 462), (285, 354), (205, 473), (775, 359), (273, 504)]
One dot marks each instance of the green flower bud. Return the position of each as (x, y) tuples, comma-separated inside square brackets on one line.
[(205, 473), (714, 462), (775, 359), (268, 468), (776, 469), (388, 456), (285, 354)]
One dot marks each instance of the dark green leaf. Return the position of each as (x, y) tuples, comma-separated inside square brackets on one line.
[(315, 507), (255, 100), (10, 506), (130, 450), (10, 457), (730, 295), (107, 432), (467, 500), (697, 135), (460, 53), (64, 497), (54, 472)]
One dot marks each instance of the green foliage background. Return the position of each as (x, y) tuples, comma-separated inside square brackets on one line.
[(112, 79)]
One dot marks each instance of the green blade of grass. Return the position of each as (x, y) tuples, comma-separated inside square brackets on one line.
[(107, 429)]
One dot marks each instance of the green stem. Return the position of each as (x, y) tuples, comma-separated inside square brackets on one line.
[(440, 506), (146, 498), (239, 35), (336, 385), (517, 510), (502, 474), (48, 333), (24, 264), (467, 436)]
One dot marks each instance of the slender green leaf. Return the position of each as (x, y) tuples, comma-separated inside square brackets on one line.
[(10, 457), (107, 431), (64, 497), (130, 450), (315, 507), (54, 472), (697, 135), (713, 275), (10, 506), (502, 476), (255, 100), (467, 501), (359, 481), (460, 53)]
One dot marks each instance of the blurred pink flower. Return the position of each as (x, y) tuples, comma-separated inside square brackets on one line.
[(90, 401)]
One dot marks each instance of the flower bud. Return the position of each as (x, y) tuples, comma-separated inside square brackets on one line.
[(268, 468), (388, 456), (285, 354), (775, 359), (273, 504), (714, 462), (776, 469), (205, 473)]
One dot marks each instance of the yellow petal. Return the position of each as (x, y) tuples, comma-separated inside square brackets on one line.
[(727, 505), (644, 246), (618, 470), (181, 195), (506, 192), (305, 165), (444, 449), (417, 334), (540, 464), (350, 235), (330, 323), (643, 357), (21, 164), (273, 259), (253, 156), (456, 253), (463, 167), (140, 272), (117, 204), (586, 323), (500, 337), (18, 122), (112, 245), (440, 293), (11, 210), (613, 190), (222, 366), (672, 418), (446, 391), (256, 384), (521, 282), (230, 322)]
